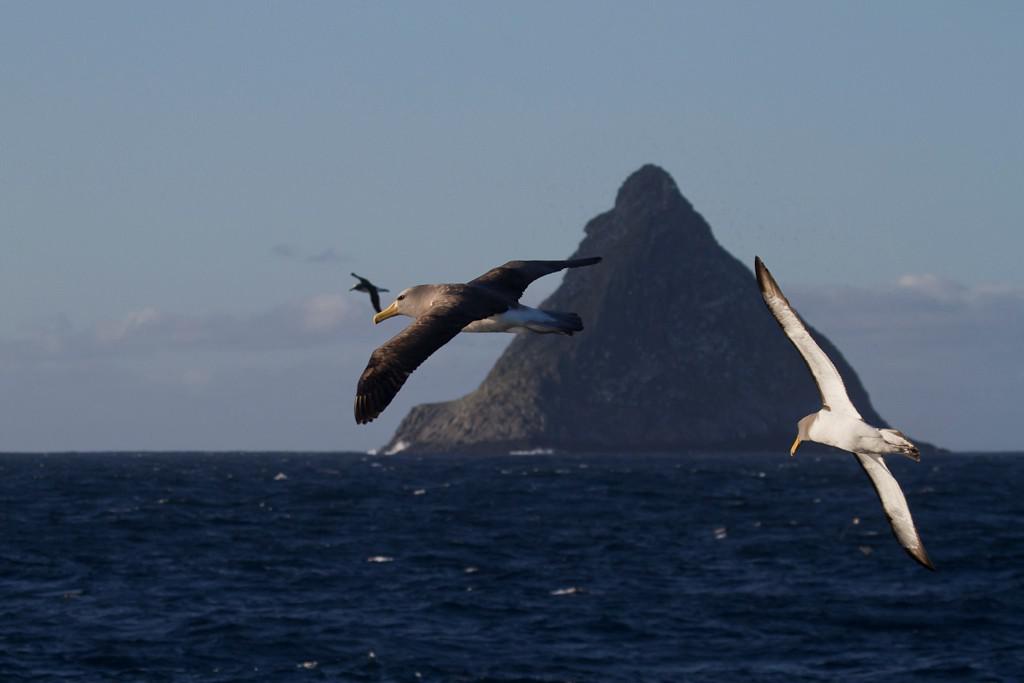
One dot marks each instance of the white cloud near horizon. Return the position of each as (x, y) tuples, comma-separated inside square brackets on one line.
[(940, 360), (922, 312), (278, 379), (316, 320)]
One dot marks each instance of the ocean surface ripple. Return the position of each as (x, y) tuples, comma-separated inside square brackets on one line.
[(541, 568)]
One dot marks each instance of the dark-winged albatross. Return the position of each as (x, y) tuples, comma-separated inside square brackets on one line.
[(490, 303), (839, 424), (373, 290)]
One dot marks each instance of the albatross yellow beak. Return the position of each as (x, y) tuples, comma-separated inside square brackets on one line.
[(796, 445), (389, 312)]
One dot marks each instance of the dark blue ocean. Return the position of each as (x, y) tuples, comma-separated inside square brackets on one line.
[(347, 567)]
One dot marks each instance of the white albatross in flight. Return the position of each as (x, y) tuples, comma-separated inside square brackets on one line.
[(839, 424), (490, 303)]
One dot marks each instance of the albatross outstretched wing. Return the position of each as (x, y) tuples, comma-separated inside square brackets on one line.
[(392, 363), (830, 382), (375, 298), (895, 506), (512, 279)]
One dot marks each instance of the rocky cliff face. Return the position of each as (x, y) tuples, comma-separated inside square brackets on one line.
[(679, 351)]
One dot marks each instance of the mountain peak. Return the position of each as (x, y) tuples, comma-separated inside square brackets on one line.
[(650, 185), (679, 351), (648, 202)]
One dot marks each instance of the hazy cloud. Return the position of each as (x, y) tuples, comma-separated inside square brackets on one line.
[(327, 256), (940, 359), (295, 398), (313, 321), (285, 251), (927, 310)]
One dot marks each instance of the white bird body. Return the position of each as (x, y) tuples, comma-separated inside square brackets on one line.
[(855, 435), (518, 319), (839, 424)]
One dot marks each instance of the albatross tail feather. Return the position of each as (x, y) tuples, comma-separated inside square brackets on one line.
[(901, 443)]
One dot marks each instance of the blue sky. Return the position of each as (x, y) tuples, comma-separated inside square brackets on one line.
[(185, 186)]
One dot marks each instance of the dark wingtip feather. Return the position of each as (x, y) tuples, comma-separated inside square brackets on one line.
[(761, 271), (766, 281), (922, 558), (579, 262), (366, 409)]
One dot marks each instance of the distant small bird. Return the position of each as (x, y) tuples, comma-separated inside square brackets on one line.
[(373, 290), (839, 424), (490, 303)]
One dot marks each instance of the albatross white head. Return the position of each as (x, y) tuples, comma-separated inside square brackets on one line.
[(412, 302), (803, 432)]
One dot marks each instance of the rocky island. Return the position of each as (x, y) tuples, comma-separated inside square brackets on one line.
[(679, 351)]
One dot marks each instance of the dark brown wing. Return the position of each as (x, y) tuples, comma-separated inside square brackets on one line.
[(392, 363), (512, 279), (375, 298)]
